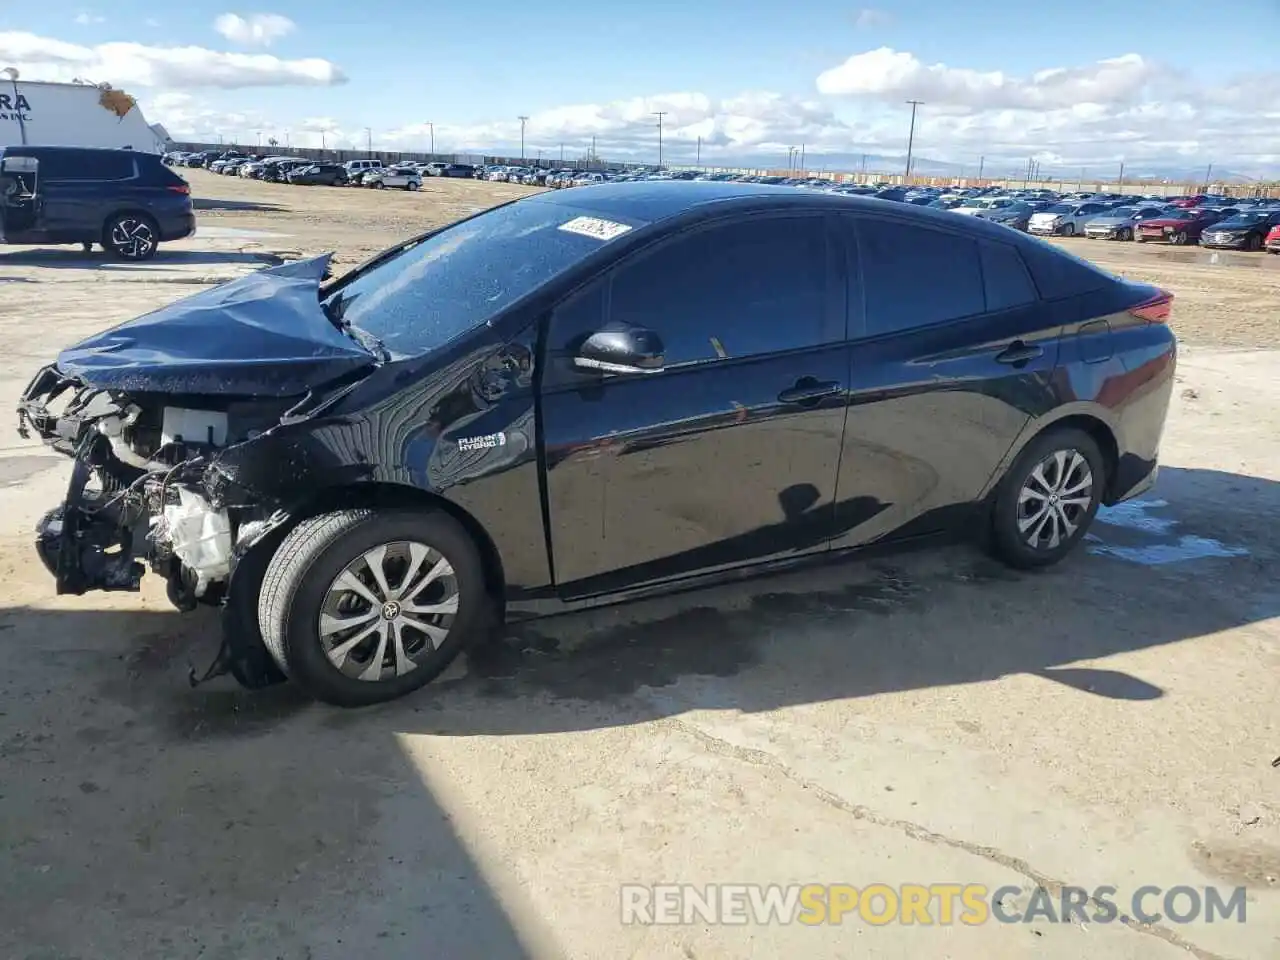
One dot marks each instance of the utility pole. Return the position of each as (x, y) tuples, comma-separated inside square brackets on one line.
[(864, 164), (802, 158), (660, 114), (523, 121), (1120, 182), (562, 154), (698, 162), (368, 139), (981, 163), (431, 129), (911, 137), (593, 148), (1207, 174)]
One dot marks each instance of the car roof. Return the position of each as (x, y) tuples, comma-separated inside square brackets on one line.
[(657, 200)]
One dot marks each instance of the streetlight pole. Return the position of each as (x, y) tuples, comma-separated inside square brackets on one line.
[(911, 137), (660, 114), (368, 139), (431, 129), (802, 158), (523, 121)]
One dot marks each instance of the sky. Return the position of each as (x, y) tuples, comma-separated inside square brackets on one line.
[(1077, 86)]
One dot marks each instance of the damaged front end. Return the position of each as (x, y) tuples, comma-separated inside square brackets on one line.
[(147, 409), (137, 496)]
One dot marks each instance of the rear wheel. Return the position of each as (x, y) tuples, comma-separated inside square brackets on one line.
[(1179, 239), (379, 185), (1048, 499), (363, 606), (1126, 234), (1253, 243), (1069, 230), (131, 236), (411, 185)]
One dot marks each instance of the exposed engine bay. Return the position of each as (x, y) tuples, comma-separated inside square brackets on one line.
[(140, 494)]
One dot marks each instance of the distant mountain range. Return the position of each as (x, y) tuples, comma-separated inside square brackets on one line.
[(927, 167)]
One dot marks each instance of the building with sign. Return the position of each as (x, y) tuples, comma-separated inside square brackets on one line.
[(73, 115)]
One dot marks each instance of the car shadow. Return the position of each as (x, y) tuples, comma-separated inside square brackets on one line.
[(76, 259), (322, 824), (1186, 560), (217, 823), (235, 206)]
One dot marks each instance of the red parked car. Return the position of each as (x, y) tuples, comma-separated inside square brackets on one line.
[(1273, 240), (1189, 202), (1178, 226)]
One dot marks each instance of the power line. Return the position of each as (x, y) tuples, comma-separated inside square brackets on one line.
[(911, 137), (660, 114)]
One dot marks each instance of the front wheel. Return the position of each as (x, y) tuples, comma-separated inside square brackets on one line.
[(1126, 234), (1048, 499), (1179, 239), (131, 236), (1069, 230), (1254, 243), (411, 185), (363, 606)]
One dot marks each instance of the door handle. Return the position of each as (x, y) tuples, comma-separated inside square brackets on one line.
[(1019, 352), (808, 391)]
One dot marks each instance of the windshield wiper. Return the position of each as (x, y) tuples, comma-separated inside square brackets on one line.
[(368, 341)]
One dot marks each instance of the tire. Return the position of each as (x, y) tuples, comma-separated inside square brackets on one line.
[(379, 185), (133, 237), (412, 185), (301, 585), (1179, 239), (1069, 230), (1126, 234), (1254, 243), (1014, 518)]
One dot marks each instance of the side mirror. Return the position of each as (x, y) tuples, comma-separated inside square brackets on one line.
[(621, 349)]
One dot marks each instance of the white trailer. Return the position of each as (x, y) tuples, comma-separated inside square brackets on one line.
[(73, 115)]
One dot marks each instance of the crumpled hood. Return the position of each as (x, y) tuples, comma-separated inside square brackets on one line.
[(262, 335)]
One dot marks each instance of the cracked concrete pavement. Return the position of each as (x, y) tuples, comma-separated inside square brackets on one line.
[(919, 718)]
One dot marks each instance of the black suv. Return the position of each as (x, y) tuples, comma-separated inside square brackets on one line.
[(125, 200)]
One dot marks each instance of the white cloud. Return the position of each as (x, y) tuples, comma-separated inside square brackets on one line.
[(1089, 116), (151, 22), (890, 75), (85, 19), (136, 64), (868, 18), (258, 29)]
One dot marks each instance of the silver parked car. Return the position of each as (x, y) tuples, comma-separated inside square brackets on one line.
[(1119, 223), (406, 178)]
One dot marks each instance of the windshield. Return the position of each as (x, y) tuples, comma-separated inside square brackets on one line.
[(1246, 219), (462, 276), (1015, 209), (1119, 213), (1059, 208)]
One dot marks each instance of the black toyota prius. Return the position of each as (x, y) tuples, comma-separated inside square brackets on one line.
[(592, 395)]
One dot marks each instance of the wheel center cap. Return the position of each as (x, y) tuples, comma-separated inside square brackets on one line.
[(390, 610)]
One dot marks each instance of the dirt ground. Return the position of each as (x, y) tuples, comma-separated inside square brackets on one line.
[(922, 718)]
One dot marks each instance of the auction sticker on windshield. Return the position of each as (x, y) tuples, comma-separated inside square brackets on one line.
[(595, 227)]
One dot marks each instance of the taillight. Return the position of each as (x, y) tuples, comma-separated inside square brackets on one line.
[(179, 188), (1155, 310)]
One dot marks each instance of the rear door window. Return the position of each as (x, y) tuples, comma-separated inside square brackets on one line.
[(1005, 278), (915, 276)]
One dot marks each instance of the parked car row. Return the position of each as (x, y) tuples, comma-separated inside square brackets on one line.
[(1210, 220), (407, 175)]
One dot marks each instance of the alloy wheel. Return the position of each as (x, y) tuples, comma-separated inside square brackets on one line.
[(388, 609), (1055, 499), (132, 238)]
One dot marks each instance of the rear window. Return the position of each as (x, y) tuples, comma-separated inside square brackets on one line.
[(1059, 273), (1005, 277), (86, 165)]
